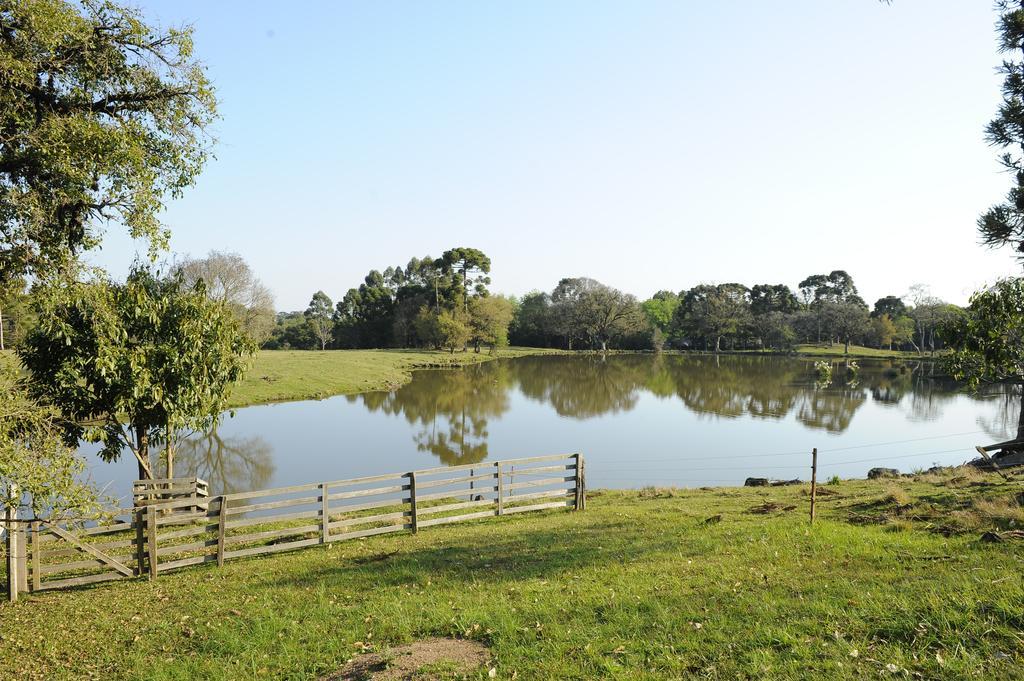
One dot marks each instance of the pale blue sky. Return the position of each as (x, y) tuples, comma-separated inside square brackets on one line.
[(646, 144)]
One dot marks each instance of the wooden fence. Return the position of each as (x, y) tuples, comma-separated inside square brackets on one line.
[(174, 524)]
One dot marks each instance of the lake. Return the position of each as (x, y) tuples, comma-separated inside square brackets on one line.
[(674, 420)]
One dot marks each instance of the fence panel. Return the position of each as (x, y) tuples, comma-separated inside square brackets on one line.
[(175, 524)]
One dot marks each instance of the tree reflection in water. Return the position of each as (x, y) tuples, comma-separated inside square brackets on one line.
[(454, 407), (229, 464)]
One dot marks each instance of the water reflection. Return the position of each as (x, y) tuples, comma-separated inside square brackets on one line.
[(229, 464), (453, 408)]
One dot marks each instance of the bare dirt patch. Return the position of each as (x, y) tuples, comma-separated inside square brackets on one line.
[(427, 660)]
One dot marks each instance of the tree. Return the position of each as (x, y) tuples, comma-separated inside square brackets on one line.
[(468, 267), (607, 313), (765, 298), (568, 318), (34, 457), (489, 319), (131, 365), (15, 312), (890, 305), (1003, 224), (533, 323), (453, 329), (846, 320), (103, 119), (228, 278), (711, 312), (883, 330), (319, 318)]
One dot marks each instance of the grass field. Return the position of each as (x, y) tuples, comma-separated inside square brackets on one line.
[(891, 582), (838, 350), (278, 375)]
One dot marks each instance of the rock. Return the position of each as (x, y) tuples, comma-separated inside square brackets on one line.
[(783, 483), (876, 473), (755, 482)]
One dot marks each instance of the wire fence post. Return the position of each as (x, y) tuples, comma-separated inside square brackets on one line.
[(814, 479)]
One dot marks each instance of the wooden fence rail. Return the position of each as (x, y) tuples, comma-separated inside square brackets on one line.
[(175, 524)]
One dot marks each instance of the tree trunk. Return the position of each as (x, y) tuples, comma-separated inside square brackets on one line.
[(847, 350), (1, 329), (169, 453), (142, 453), (718, 344), (604, 346)]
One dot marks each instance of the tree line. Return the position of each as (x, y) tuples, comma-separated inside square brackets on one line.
[(445, 302)]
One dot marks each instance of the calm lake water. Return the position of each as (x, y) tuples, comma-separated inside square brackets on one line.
[(639, 420)]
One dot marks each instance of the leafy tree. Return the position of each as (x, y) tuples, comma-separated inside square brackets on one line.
[(568, 317), (35, 458), (489, 319), (133, 364), (533, 323), (709, 312), (291, 332), (428, 327), (607, 313), (765, 298), (103, 119), (883, 330), (890, 305), (469, 267), (1003, 224), (453, 329), (773, 329), (987, 339), (15, 312), (228, 278), (846, 320), (319, 318)]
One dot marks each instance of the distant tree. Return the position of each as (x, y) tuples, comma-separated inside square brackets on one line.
[(711, 312), (453, 327), (846, 320), (883, 330), (228, 278), (1003, 224), (489, 319), (428, 329), (773, 329), (131, 365), (890, 305), (567, 309), (103, 118), (659, 309), (608, 313), (470, 268), (765, 298), (320, 318), (533, 323)]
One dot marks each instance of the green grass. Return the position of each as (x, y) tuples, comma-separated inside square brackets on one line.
[(639, 586), (838, 350), (279, 375)]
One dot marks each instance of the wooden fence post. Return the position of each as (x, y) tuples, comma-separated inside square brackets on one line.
[(814, 479), (580, 498), (151, 540), (37, 579), (325, 516), (501, 486), (11, 515), (140, 541), (22, 557), (412, 502), (222, 522)]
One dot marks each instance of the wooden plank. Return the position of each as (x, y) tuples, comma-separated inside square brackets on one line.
[(195, 560), (367, 505), (11, 515), (236, 496), (71, 539), (56, 568), (140, 545), (368, 492), (412, 503), (273, 548), (545, 469), (364, 480), (538, 507), (79, 581), (264, 520), (267, 505), (504, 462), (538, 495), (185, 548), (459, 518), (187, 532), (349, 522), (454, 481), (453, 494), (430, 510), (540, 483), (270, 534), (371, 532), (181, 518), (47, 536)]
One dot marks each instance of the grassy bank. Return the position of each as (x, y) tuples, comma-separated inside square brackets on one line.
[(839, 350), (279, 375), (719, 583)]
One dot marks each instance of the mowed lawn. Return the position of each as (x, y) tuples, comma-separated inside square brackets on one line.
[(891, 582)]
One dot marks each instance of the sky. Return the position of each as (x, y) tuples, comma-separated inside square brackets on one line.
[(648, 145)]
